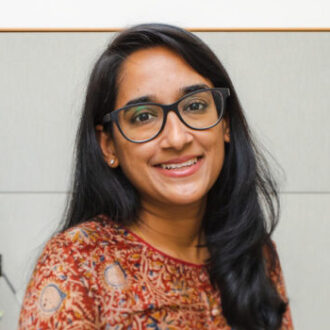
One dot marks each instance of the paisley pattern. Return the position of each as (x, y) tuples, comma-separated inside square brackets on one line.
[(115, 276), (51, 298), (99, 275)]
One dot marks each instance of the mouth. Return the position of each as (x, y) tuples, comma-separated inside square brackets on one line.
[(180, 167), (172, 166)]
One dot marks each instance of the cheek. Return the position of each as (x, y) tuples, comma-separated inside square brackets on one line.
[(133, 160), (136, 170), (128, 162), (216, 149)]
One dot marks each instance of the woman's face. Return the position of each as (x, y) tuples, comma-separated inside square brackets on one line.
[(161, 74)]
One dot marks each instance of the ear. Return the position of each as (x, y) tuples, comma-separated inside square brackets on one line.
[(226, 129), (107, 146)]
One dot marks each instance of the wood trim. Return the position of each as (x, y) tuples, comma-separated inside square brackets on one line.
[(264, 29)]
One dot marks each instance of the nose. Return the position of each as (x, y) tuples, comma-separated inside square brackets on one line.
[(175, 134)]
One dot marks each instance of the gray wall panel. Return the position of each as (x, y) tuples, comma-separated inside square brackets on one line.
[(302, 239)]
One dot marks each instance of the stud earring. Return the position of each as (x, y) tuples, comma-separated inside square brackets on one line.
[(112, 161)]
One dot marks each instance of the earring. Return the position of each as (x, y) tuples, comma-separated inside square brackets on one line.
[(112, 161)]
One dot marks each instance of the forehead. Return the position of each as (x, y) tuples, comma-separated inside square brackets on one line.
[(157, 71)]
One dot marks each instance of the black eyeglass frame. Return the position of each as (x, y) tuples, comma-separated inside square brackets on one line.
[(113, 116)]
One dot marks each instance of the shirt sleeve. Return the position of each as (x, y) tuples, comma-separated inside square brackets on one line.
[(276, 275), (57, 296)]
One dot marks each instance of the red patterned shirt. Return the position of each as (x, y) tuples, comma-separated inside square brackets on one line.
[(99, 275)]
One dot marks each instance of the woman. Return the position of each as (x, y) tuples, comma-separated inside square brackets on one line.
[(165, 228)]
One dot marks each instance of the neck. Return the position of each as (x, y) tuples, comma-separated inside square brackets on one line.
[(175, 230)]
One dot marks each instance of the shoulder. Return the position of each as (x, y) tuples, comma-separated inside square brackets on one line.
[(64, 289), (274, 269), (79, 248), (275, 274), (94, 233)]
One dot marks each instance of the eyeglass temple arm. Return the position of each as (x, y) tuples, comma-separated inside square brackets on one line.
[(226, 91), (107, 118)]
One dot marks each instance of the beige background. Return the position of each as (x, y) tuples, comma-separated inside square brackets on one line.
[(283, 81)]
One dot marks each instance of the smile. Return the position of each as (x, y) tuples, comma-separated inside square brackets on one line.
[(174, 166), (178, 168)]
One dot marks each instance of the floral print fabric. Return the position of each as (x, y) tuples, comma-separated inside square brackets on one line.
[(99, 275)]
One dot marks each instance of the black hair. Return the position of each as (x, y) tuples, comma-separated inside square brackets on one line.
[(242, 206)]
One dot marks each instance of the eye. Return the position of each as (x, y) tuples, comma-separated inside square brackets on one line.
[(142, 114), (143, 117), (195, 106)]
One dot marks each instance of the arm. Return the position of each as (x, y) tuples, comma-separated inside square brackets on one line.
[(57, 295)]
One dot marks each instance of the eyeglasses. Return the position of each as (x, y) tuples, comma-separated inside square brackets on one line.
[(142, 122)]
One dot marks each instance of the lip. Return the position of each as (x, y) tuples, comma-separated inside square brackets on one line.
[(182, 171), (178, 160)]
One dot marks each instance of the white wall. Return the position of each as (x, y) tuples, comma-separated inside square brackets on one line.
[(283, 81), (188, 13)]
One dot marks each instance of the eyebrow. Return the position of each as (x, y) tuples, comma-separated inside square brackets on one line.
[(183, 91)]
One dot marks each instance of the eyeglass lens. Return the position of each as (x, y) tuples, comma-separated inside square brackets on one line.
[(200, 110)]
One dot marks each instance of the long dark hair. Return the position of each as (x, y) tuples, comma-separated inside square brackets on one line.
[(243, 205)]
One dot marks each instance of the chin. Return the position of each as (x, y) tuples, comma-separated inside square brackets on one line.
[(185, 199)]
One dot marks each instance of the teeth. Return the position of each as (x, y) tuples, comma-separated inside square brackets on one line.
[(172, 166)]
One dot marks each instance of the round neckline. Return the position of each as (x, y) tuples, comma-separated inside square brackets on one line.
[(187, 263)]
